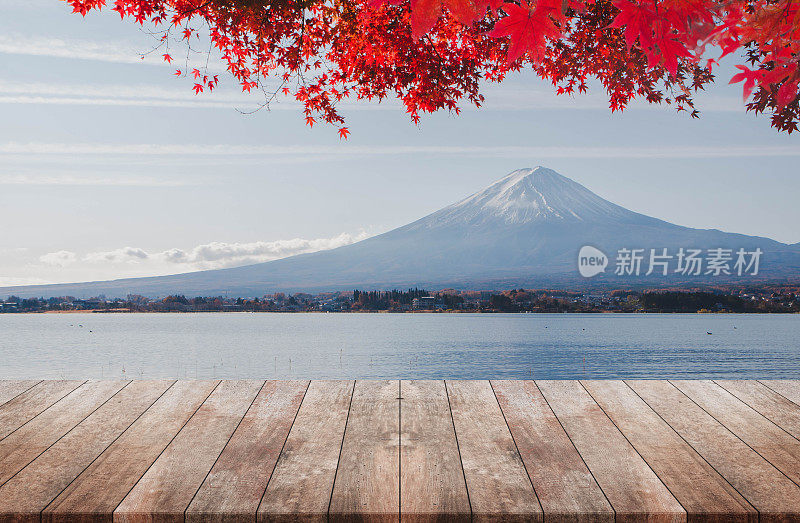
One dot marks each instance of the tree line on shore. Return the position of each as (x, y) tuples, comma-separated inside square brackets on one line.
[(782, 299)]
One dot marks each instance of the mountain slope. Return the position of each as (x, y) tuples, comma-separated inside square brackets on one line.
[(524, 230)]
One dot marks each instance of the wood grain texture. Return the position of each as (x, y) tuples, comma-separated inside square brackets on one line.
[(789, 389), (29, 404), (766, 438), (450, 452), (24, 496), (497, 482), (100, 488), (301, 484), (768, 403), (367, 486), (631, 486), (166, 489), (26, 443), (432, 483), (566, 489), (236, 483), (10, 389), (706, 496), (775, 496)]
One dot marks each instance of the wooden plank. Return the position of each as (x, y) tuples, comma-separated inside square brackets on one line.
[(770, 492), (767, 402), (789, 389), (10, 389), (25, 495), (705, 495), (236, 483), (497, 482), (301, 485), (566, 489), (367, 486), (168, 486), (97, 491), (631, 486), (766, 438), (79, 452), (26, 443), (432, 483), (26, 406)]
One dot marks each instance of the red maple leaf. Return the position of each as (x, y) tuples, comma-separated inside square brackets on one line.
[(787, 92), (425, 13), (528, 26), (637, 22), (749, 77), (167, 58), (671, 52)]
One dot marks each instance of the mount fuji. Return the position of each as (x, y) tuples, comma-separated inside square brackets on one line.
[(525, 230)]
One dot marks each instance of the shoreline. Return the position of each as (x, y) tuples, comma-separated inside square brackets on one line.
[(614, 312)]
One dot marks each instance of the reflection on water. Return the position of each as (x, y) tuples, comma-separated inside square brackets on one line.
[(458, 346)]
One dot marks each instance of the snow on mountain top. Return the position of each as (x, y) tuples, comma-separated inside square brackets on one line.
[(532, 195)]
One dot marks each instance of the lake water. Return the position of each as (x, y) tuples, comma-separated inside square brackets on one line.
[(458, 346)]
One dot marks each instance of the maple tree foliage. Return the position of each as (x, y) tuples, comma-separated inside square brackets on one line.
[(433, 54)]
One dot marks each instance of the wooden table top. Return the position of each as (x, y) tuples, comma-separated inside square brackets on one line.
[(444, 451)]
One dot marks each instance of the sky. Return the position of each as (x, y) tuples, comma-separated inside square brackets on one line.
[(112, 167)]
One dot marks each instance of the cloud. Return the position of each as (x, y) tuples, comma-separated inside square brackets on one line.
[(59, 258), (216, 255), (130, 262), (117, 102), (498, 98), (123, 255), (137, 95), (148, 95), (105, 51), (110, 181), (256, 153)]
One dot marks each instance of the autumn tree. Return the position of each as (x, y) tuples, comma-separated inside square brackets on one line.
[(435, 54)]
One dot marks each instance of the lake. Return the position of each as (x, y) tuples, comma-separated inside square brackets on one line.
[(458, 346)]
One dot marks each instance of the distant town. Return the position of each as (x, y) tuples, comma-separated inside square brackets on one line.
[(765, 299)]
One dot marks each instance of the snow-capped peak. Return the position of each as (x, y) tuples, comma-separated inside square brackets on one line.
[(532, 195)]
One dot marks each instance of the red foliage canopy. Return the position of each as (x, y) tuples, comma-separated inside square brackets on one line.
[(433, 53)]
